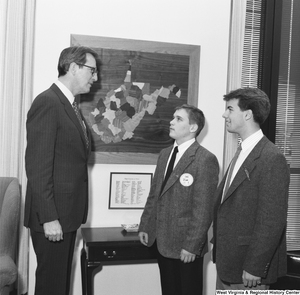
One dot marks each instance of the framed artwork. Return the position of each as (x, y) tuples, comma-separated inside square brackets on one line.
[(129, 108), (129, 190)]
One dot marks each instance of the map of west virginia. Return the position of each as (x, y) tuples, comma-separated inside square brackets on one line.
[(116, 116)]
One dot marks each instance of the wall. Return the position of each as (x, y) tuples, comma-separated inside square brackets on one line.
[(197, 22)]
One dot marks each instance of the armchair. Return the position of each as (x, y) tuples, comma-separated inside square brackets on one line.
[(9, 223)]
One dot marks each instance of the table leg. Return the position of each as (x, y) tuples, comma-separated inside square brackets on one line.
[(90, 277), (87, 274), (83, 271)]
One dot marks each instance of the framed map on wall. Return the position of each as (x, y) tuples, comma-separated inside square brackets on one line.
[(129, 108)]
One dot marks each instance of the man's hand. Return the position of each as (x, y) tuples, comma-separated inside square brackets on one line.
[(187, 257), (53, 231), (250, 280), (143, 238)]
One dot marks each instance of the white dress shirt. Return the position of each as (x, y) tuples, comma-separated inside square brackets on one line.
[(181, 150), (68, 94), (247, 146)]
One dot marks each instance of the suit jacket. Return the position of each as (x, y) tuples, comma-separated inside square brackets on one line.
[(56, 164), (250, 224), (180, 216)]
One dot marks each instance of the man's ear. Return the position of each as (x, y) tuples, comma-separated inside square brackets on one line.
[(193, 128), (73, 68), (248, 115)]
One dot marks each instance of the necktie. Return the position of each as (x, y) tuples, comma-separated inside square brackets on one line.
[(170, 167), (77, 112), (229, 175)]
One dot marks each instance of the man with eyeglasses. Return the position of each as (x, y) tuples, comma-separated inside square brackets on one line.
[(58, 147)]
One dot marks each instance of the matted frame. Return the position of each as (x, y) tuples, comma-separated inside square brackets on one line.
[(192, 52), (129, 190)]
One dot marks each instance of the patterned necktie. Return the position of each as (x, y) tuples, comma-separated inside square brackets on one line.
[(229, 175), (77, 112), (170, 167)]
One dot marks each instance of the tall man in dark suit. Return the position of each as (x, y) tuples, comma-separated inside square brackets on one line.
[(58, 146), (179, 209), (250, 216)]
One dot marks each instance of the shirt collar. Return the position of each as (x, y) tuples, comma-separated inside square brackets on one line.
[(184, 146), (68, 94), (252, 140)]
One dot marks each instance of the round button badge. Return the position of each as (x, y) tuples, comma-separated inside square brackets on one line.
[(186, 179)]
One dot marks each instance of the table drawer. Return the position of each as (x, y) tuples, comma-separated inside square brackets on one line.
[(120, 253)]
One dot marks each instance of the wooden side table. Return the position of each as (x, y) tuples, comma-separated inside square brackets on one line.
[(110, 246)]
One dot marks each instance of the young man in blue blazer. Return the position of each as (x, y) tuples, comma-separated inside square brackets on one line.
[(178, 212), (251, 215)]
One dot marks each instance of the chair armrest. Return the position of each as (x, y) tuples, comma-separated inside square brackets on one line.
[(9, 220), (8, 271)]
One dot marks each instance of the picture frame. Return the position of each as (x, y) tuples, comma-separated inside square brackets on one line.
[(166, 61), (129, 190)]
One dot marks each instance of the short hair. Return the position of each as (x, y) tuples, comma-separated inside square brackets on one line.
[(195, 115), (75, 54), (253, 99)]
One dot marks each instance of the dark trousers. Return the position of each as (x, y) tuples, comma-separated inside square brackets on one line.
[(54, 263), (178, 278)]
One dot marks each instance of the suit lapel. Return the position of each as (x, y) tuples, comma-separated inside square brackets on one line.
[(70, 112), (181, 166), (246, 168)]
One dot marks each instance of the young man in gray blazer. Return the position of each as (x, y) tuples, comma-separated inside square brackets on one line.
[(250, 216), (58, 147), (178, 212)]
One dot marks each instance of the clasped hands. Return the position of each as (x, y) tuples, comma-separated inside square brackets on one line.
[(185, 256)]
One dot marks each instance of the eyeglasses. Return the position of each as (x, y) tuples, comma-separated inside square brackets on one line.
[(93, 70)]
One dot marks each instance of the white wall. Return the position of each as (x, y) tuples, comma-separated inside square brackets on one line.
[(197, 22)]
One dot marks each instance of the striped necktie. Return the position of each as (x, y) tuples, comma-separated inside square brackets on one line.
[(78, 115), (229, 175)]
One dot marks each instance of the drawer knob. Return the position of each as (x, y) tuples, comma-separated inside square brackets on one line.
[(112, 255)]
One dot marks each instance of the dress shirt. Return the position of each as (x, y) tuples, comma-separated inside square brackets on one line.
[(68, 94), (247, 146), (181, 150)]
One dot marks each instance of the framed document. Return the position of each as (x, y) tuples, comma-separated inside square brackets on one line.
[(129, 190)]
